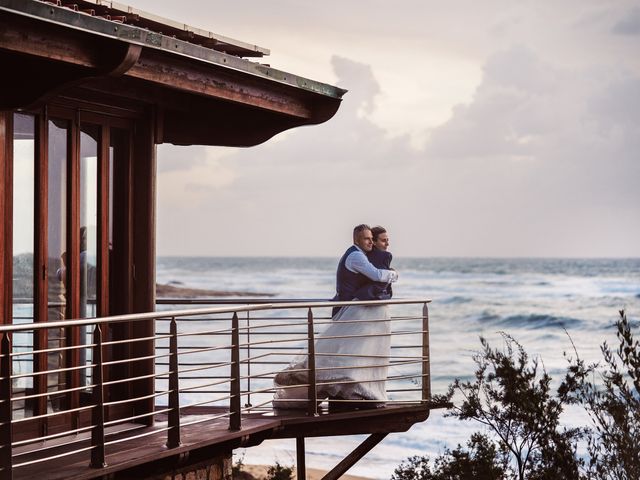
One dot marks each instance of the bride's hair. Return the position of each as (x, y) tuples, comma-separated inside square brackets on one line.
[(376, 231)]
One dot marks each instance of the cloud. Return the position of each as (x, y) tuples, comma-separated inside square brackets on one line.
[(630, 24), (349, 72), (542, 150), (617, 103), (343, 172), (541, 161), (187, 176), (178, 158), (512, 109)]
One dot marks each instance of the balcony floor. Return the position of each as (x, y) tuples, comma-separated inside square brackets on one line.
[(149, 453)]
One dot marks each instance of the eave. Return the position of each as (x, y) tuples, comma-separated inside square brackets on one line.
[(200, 95)]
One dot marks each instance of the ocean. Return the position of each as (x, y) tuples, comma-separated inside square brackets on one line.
[(547, 305)]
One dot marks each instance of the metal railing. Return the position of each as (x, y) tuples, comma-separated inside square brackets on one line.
[(189, 367)]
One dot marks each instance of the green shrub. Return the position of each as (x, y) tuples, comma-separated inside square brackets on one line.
[(511, 396), (480, 461), (279, 472), (611, 397)]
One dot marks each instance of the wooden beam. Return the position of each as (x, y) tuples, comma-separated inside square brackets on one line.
[(351, 459), (73, 57), (301, 467), (102, 284), (6, 214), (64, 56), (74, 335), (40, 262), (144, 215), (6, 288), (375, 420), (49, 43), (121, 257), (218, 82), (144, 251)]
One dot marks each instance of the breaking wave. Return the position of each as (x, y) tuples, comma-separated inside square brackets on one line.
[(532, 321)]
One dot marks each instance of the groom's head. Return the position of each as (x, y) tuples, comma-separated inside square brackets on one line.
[(363, 237)]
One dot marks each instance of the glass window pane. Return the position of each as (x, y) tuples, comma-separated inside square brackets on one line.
[(23, 225), (118, 155), (23, 216)]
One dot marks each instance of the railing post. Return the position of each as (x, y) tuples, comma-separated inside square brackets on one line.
[(248, 404), (234, 418), (426, 359), (312, 407), (97, 413), (5, 409), (173, 434)]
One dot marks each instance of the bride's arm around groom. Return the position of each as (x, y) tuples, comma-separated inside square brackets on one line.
[(355, 270)]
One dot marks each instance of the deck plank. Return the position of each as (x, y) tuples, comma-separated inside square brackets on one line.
[(207, 437)]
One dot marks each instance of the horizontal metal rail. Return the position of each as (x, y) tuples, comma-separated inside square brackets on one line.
[(220, 361)]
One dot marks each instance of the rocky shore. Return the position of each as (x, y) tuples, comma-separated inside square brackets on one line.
[(178, 291)]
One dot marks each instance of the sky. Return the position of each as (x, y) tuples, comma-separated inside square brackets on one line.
[(494, 128)]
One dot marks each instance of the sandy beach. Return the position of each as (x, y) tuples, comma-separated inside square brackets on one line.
[(260, 472)]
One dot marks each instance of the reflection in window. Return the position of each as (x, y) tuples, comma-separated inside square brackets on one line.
[(23, 221), (118, 155), (88, 219), (57, 256)]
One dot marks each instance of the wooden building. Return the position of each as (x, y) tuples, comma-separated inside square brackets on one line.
[(89, 88)]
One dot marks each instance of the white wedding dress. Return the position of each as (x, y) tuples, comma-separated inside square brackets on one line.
[(352, 357)]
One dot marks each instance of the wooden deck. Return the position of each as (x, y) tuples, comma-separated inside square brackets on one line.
[(143, 456)]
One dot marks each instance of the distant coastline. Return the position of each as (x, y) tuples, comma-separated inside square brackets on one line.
[(174, 291)]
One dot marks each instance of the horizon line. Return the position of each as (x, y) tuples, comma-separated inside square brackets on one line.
[(486, 257)]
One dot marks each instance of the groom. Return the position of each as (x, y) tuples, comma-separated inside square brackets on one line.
[(355, 270)]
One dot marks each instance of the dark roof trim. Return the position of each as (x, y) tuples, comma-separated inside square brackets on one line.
[(139, 36), (156, 23)]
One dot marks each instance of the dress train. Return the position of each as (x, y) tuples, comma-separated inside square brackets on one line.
[(351, 360)]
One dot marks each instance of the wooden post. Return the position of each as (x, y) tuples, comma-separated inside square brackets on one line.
[(142, 238), (40, 263), (350, 460), (97, 413), (75, 336), (121, 260), (234, 402), (6, 288), (173, 434), (301, 468), (312, 395), (5, 409), (426, 359), (6, 216), (102, 289)]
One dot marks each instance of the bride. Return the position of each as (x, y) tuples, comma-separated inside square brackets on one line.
[(352, 354)]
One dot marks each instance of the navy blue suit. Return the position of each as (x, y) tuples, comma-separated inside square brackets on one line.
[(347, 282), (376, 290)]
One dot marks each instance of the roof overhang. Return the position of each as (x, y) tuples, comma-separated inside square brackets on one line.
[(200, 95)]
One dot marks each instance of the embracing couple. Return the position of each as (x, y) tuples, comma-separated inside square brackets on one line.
[(364, 271), (352, 354)]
